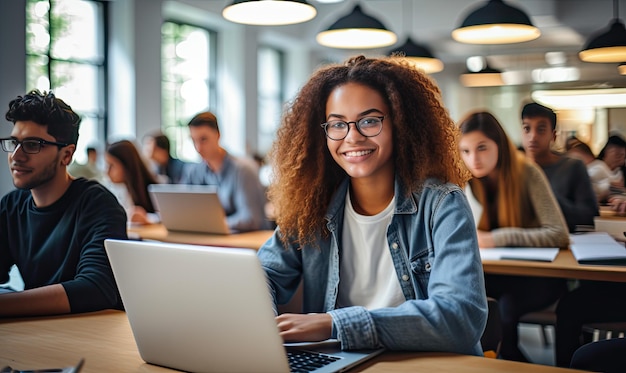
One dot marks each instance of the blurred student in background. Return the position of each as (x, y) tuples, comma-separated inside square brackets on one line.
[(601, 177), (156, 147), (513, 205), (125, 166), (89, 170), (239, 188), (614, 155), (568, 177), (595, 301)]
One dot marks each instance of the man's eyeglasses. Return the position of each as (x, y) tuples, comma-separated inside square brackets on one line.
[(368, 127), (29, 146)]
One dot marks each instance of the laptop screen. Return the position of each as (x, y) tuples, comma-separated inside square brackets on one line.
[(190, 208)]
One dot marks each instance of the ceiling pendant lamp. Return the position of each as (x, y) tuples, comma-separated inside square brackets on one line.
[(487, 77), (480, 74), (357, 30), (269, 12), (415, 54), (418, 55), (607, 45), (573, 99), (622, 68), (496, 23)]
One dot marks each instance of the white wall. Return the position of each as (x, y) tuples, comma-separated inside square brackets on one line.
[(12, 71), (135, 69), (122, 87), (147, 21)]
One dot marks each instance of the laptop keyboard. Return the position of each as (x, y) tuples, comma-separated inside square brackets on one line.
[(307, 361)]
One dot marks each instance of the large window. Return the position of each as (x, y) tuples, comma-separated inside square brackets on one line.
[(65, 47), (271, 94), (188, 82)]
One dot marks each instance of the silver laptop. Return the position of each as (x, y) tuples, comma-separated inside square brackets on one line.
[(207, 309), (190, 208)]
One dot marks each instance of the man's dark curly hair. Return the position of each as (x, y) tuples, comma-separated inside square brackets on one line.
[(47, 110)]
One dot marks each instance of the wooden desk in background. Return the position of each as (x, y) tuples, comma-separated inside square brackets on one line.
[(253, 240), (105, 340), (610, 222), (564, 266), (608, 212)]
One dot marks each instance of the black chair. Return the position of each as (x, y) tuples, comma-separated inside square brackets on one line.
[(543, 318), (601, 356), (492, 336), (605, 330)]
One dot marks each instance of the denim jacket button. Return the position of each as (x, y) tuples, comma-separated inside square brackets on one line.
[(405, 277), (394, 245), (427, 267)]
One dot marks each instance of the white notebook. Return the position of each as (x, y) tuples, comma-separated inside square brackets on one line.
[(542, 254), (597, 248)]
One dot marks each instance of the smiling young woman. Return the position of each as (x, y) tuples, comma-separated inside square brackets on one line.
[(371, 217)]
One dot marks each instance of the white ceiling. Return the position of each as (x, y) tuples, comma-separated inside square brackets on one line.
[(565, 26)]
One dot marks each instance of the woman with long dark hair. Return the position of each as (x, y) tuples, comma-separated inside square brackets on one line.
[(126, 166)]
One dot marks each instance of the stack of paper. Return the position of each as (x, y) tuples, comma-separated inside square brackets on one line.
[(597, 248), (543, 254)]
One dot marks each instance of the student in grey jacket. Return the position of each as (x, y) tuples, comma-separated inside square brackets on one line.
[(371, 216)]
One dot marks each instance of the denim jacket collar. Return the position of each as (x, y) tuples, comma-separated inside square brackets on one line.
[(405, 204)]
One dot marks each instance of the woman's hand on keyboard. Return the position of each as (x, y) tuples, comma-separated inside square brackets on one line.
[(312, 327)]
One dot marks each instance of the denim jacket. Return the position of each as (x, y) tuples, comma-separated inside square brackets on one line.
[(433, 244)]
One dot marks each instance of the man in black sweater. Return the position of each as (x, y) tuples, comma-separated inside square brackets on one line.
[(53, 227), (568, 177)]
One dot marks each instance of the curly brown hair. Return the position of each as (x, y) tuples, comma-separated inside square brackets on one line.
[(306, 176)]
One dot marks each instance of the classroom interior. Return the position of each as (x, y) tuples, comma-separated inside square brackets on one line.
[(133, 92), (131, 102)]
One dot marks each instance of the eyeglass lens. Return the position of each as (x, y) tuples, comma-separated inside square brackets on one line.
[(368, 126), (28, 146)]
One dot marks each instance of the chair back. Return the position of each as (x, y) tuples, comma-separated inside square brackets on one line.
[(492, 336)]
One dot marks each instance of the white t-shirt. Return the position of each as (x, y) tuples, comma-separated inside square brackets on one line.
[(601, 178), (120, 191), (366, 272)]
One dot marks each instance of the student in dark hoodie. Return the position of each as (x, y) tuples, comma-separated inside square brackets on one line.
[(53, 227)]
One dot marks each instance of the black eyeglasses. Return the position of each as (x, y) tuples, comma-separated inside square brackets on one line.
[(368, 127), (29, 146)]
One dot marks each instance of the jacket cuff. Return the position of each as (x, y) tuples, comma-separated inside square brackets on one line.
[(354, 328)]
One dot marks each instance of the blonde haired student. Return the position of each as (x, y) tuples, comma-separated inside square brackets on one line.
[(513, 205), (371, 217)]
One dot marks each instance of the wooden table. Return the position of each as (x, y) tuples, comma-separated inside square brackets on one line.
[(608, 212), (104, 339), (253, 240), (564, 266)]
